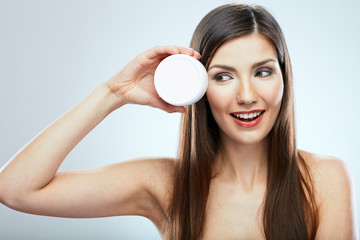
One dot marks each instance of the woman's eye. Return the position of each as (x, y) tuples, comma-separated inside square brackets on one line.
[(263, 73), (222, 77)]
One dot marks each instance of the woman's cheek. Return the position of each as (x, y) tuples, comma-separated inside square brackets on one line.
[(218, 98), (273, 93)]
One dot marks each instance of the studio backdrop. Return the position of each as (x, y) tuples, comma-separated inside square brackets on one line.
[(55, 52)]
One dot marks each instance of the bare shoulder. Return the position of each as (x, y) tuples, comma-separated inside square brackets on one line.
[(160, 186), (161, 172), (328, 172), (152, 178), (335, 196), (325, 164), (157, 174)]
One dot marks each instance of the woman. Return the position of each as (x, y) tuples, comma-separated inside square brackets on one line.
[(238, 174)]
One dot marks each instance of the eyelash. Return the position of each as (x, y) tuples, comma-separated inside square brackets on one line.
[(267, 72), (218, 76)]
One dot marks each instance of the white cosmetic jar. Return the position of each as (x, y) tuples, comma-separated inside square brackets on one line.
[(180, 80)]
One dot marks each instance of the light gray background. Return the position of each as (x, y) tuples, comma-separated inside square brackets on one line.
[(53, 53)]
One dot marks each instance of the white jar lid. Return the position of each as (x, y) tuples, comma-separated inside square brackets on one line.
[(180, 80)]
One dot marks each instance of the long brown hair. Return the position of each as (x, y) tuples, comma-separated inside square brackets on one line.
[(289, 211)]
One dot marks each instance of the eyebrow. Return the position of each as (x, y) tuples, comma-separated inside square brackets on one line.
[(232, 69)]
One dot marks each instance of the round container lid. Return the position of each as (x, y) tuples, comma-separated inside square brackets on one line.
[(180, 80)]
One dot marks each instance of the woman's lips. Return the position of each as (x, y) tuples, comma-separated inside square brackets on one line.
[(248, 118)]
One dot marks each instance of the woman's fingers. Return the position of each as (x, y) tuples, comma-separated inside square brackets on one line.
[(160, 51), (161, 104), (135, 82), (197, 55)]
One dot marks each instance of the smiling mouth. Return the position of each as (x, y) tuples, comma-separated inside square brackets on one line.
[(247, 117)]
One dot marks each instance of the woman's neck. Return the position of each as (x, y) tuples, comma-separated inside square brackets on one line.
[(243, 164)]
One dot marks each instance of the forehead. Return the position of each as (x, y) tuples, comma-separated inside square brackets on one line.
[(247, 49)]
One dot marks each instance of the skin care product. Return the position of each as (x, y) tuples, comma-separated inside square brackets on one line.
[(180, 80)]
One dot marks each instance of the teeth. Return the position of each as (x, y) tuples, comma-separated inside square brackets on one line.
[(247, 116)]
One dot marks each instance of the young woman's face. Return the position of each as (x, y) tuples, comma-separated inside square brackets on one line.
[(245, 88)]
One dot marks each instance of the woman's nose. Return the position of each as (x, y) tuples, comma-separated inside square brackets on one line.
[(246, 93)]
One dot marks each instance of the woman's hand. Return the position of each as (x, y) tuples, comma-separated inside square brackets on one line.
[(135, 82)]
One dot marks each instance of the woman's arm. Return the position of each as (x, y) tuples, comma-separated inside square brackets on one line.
[(29, 182)]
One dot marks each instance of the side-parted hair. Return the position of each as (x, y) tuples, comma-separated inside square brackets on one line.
[(290, 211)]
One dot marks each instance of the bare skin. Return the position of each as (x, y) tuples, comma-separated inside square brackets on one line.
[(238, 215), (29, 182)]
